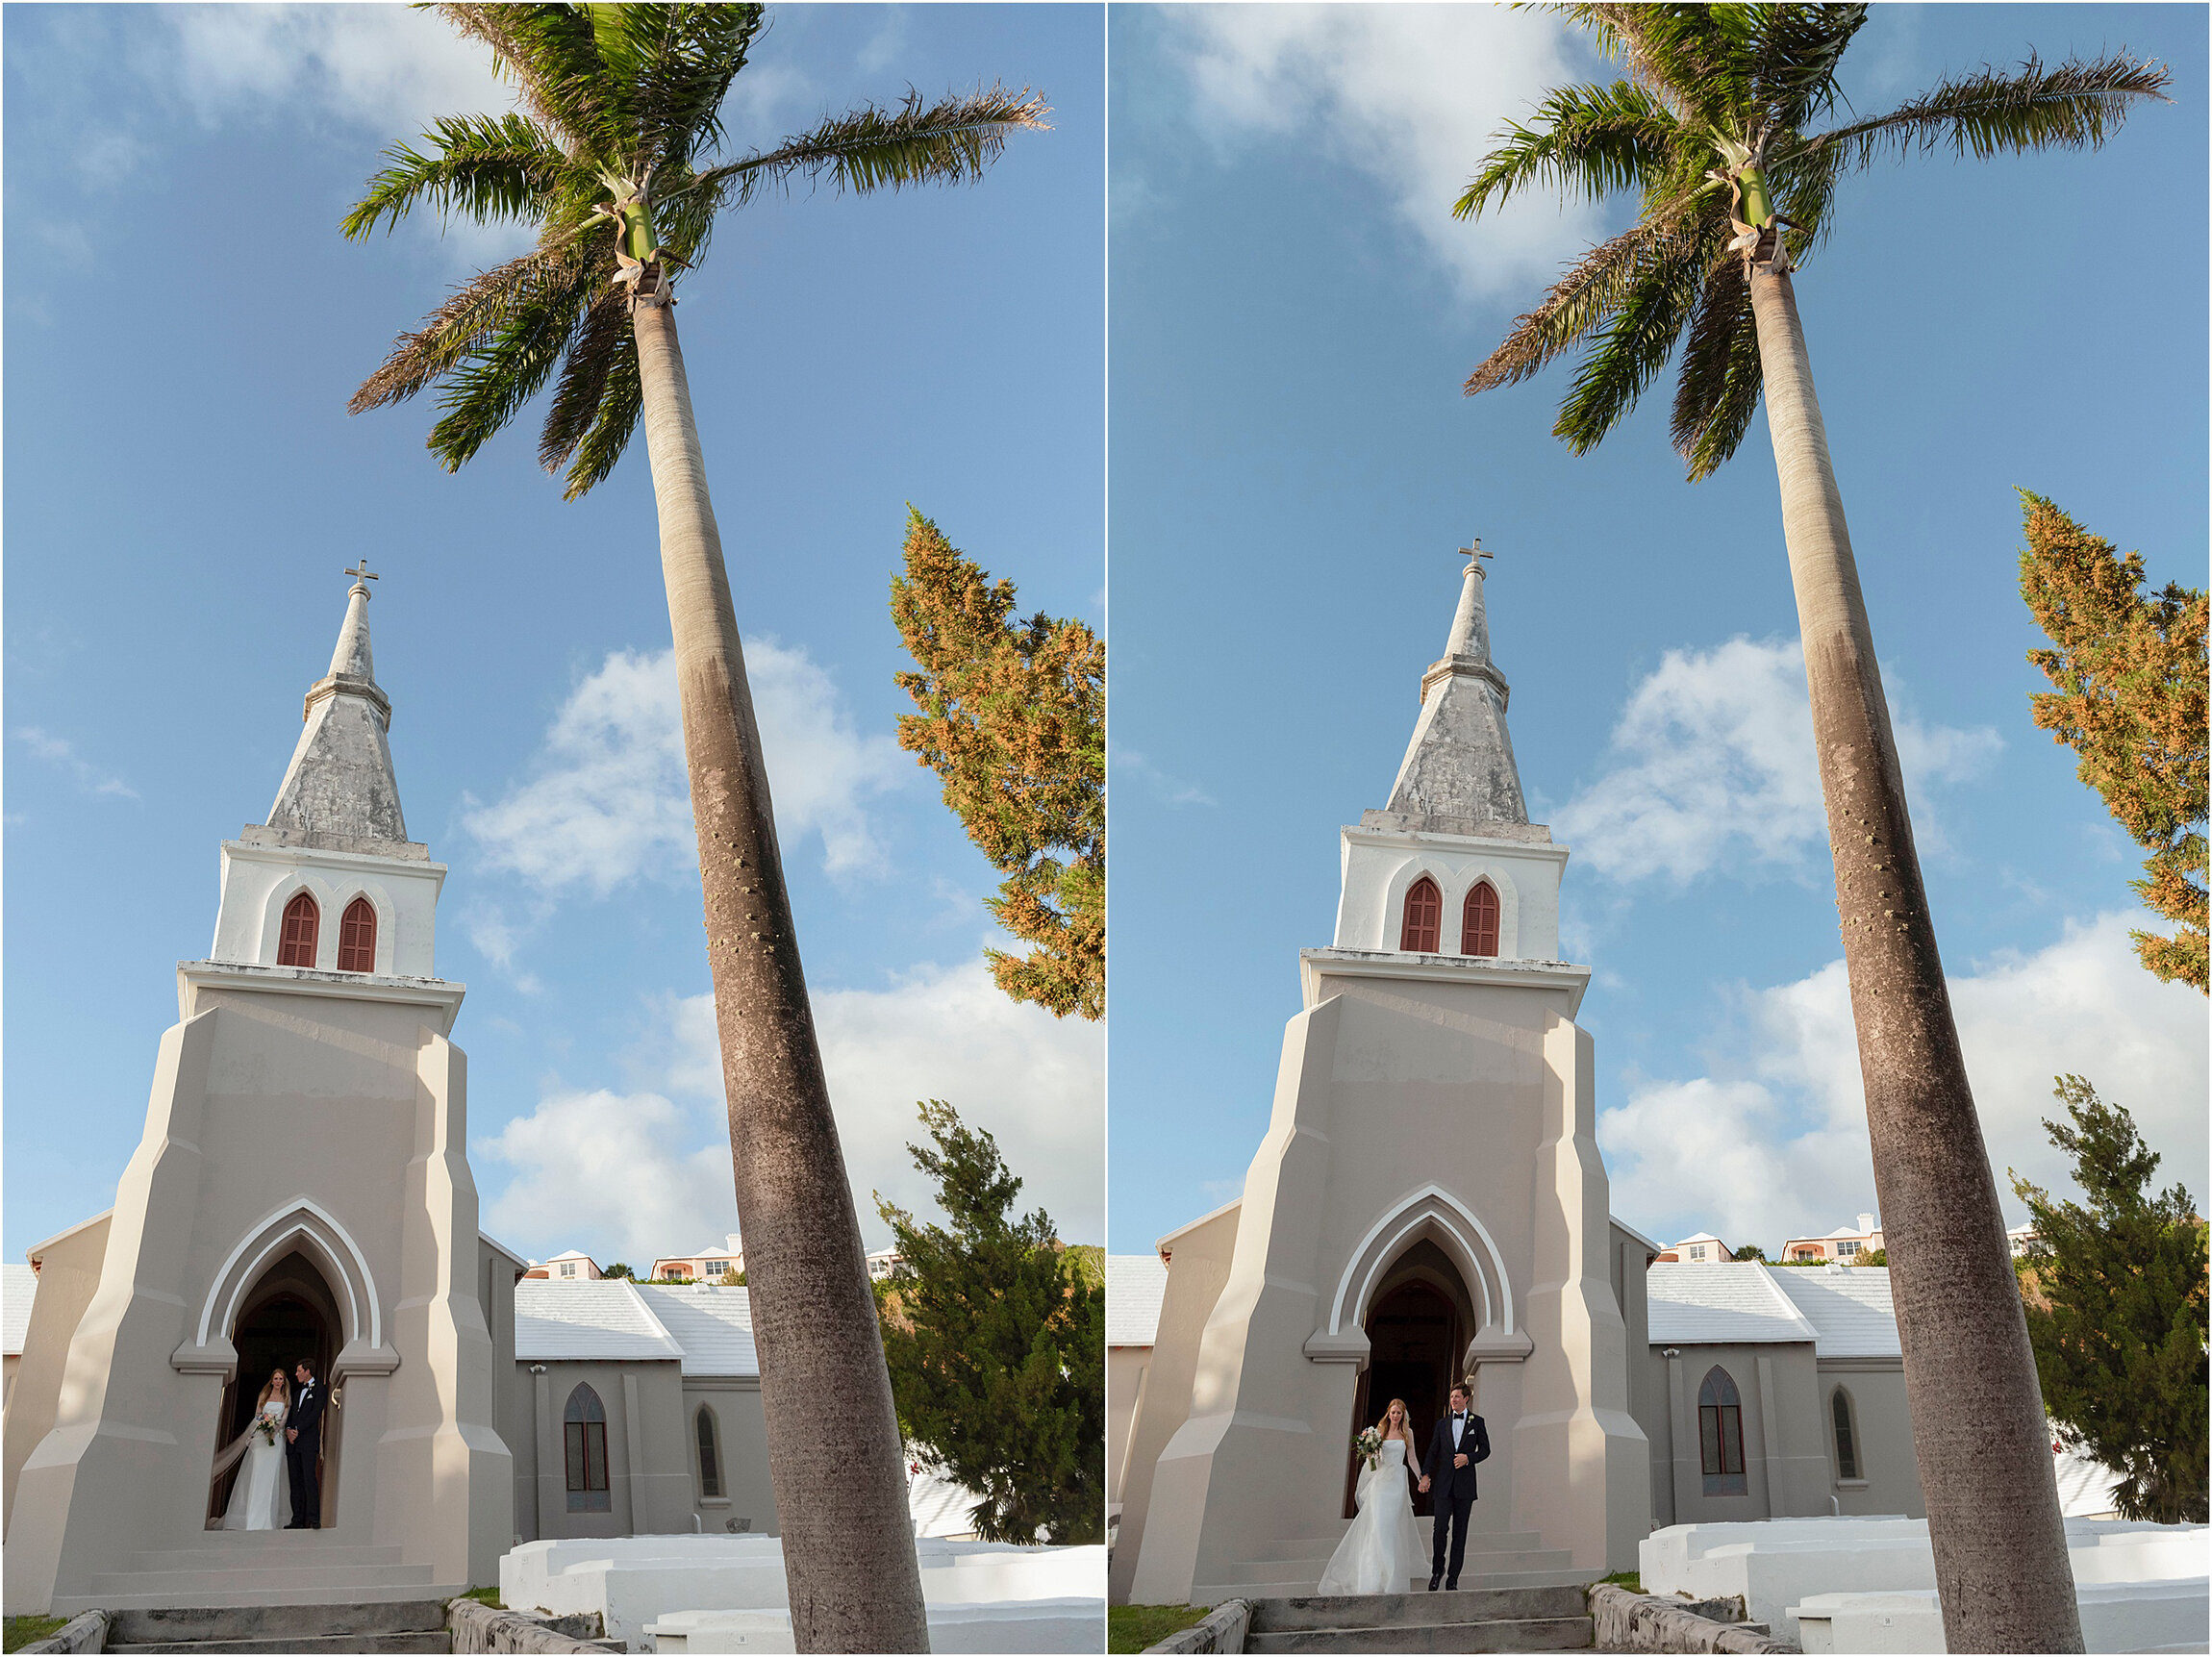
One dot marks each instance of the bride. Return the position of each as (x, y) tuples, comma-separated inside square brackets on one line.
[(1382, 1552), (262, 1498)]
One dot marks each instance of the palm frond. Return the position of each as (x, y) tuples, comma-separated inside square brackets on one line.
[(1637, 340), (869, 148), (486, 389), (1679, 51), (1795, 51), (621, 399), (456, 328), (1804, 190), (2075, 105), (1716, 390), (1585, 298), (582, 382), (485, 167), (671, 66), (1588, 141), (551, 55)]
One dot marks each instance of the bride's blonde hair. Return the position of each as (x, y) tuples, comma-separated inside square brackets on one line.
[(1404, 1419), (271, 1386)]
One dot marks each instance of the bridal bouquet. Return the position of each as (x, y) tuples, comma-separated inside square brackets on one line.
[(267, 1426), (1368, 1444)]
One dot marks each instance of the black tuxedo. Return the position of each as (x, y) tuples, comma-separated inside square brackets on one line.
[(301, 1454), (1452, 1489)]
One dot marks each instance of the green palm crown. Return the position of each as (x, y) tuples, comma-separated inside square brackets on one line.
[(613, 156), (1710, 129)]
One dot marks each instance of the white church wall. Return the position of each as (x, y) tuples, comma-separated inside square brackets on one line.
[(1889, 1477), (748, 1502), (1379, 866), (258, 881), (651, 1472), (68, 1275)]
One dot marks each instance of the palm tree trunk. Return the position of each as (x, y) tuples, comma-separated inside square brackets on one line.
[(1978, 1426), (836, 1458)]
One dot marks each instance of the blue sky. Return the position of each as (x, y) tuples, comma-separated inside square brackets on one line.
[(1293, 311), (183, 328)]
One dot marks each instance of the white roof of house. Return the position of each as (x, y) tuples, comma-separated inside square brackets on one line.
[(587, 1318), (569, 1254), (1696, 1305), (1135, 1285), (18, 1287), (714, 1326), (1848, 1306)]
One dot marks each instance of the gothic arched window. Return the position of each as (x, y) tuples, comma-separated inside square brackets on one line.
[(1846, 1435), (583, 1427), (357, 938), (710, 1465), (301, 922), (1423, 918), (1479, 925), (1721, 1433)]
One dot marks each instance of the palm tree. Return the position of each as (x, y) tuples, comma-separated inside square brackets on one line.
[(612, 157), (1710, 128)]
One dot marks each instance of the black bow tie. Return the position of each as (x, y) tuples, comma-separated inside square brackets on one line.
[(1458, 1416)]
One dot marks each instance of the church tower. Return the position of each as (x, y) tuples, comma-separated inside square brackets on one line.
[(1427, 1205), (302, 1192)]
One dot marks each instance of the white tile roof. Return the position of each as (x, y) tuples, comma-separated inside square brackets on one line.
[(1699, 1304), (1135, 1285), (1849, 1307), (601, 1318), (713, 1325), (19, 1286), (1701, 1237)]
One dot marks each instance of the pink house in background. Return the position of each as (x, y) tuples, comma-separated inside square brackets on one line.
[(1843, 1244)]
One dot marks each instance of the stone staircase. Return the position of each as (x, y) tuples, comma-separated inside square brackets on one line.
[(1290, 1567), (1524, 1618), (263, 1567), (383, 1625)]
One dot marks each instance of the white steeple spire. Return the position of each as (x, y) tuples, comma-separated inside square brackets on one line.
[(1459, 766), (339, 792)]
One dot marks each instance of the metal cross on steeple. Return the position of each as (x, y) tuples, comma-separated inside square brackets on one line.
[(361, 574)]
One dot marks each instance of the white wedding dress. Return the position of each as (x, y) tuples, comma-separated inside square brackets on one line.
[(1382, 1552), (262, 1498)]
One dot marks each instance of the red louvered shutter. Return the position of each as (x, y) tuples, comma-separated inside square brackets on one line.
[(1423, 918), (1478, 929), (357, 938), (301, 922)]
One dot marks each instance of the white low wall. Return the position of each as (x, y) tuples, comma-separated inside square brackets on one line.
[(1775, 1564), (633, 1581), (1013, 1625), (2115, 1617)]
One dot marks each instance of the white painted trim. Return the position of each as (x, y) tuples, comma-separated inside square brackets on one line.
[(1408, 1215), (273, 1233)]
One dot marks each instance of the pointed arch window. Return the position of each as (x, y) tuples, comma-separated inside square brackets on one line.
[(1721, 1433), (302, 921), (1424, 919), (583, 1428), (1478, 924), (357, 936), (709, 1463), (1846, 1435)]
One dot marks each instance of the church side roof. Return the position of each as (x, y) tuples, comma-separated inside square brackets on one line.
[(1134, 1286), (714, 1326), (605, 1319), (1701, 1305), (18, 1288), (1849, 1307)]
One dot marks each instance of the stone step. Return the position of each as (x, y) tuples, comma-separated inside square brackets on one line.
[(1495, 1541), (1510, 1634), (293, 1588), (1463, 1605), (1278, 1582), (281, 1645), (1311, 1568), (170, 1624), (244, 1582)]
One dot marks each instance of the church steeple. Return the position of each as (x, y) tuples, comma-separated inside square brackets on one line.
[(339, 792), (1459, 767)]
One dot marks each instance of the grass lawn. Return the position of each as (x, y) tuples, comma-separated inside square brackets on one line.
[(1133, 1627), (485, 1596), (1627, 1579), (20, 1631)]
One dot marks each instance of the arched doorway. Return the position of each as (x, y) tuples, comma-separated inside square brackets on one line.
[(1418, 1326), (288, 1315)]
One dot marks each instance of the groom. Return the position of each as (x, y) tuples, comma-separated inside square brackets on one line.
[(1459, 1442), (303, 1447)]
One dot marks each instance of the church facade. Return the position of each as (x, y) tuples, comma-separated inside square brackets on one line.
[(1428, 1204), (302, 1189)]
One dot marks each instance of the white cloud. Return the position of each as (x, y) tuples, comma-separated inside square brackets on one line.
[(1773, 1142), (1410, 95), (61, 754), (1036, 1083), (1712, 767), (599, 1172), (1168, 790), (611, 803)]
